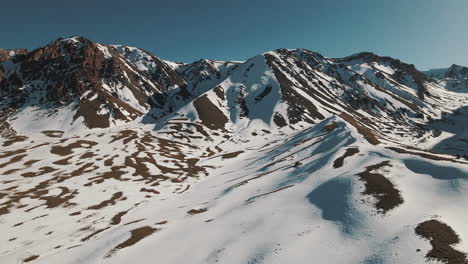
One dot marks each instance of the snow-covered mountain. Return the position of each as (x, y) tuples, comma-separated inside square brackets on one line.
[(454, 78), (111, 154)]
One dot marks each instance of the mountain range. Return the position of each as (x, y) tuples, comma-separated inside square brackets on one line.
[(111, 154)]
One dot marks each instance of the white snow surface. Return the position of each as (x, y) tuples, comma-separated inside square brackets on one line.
[(279, 201)]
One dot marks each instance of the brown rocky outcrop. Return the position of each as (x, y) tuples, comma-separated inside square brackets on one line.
[(92, 75)]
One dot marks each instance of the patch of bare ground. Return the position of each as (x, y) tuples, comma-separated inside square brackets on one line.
[(27, 164), (63, 162), (209, 114), (363, 130), (251, 199), (144, 155), (40, 192), (197, 211), (41, 171), (40, 145), (442, 237), (93, 234), (378, 186), (11, 171), (116, 219), (136, 235), (15, 139), (15, 159), (30, 162), (53, 133), (231, 155), (83, 169), (330, 127), (133, 222), (10, 153), (338, 163), (31, 258), (179, 191), (88, 155), (149, 190), (110, 161), (63, 198), (115, 173), (68, 149), (115, 197), (126, 135)]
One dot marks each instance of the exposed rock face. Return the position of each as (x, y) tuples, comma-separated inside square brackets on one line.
[(209, 114), (403, 73), (5, 128), (3, 55), (103, 84), (205, 74)]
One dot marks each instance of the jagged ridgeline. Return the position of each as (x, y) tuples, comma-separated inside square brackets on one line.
[(100, 86)]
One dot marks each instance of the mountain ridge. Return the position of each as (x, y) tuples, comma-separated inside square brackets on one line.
[(115, 84)]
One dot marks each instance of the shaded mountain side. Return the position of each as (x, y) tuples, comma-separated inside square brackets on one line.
[(454, 128)]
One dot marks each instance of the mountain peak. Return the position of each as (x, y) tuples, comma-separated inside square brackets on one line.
[(73, 39), (457, 67), (368, 57), (455, 71)]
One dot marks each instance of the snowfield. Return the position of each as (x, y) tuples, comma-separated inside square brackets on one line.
[(276, 200)]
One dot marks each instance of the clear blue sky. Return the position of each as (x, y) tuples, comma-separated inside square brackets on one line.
[(427, 33)]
